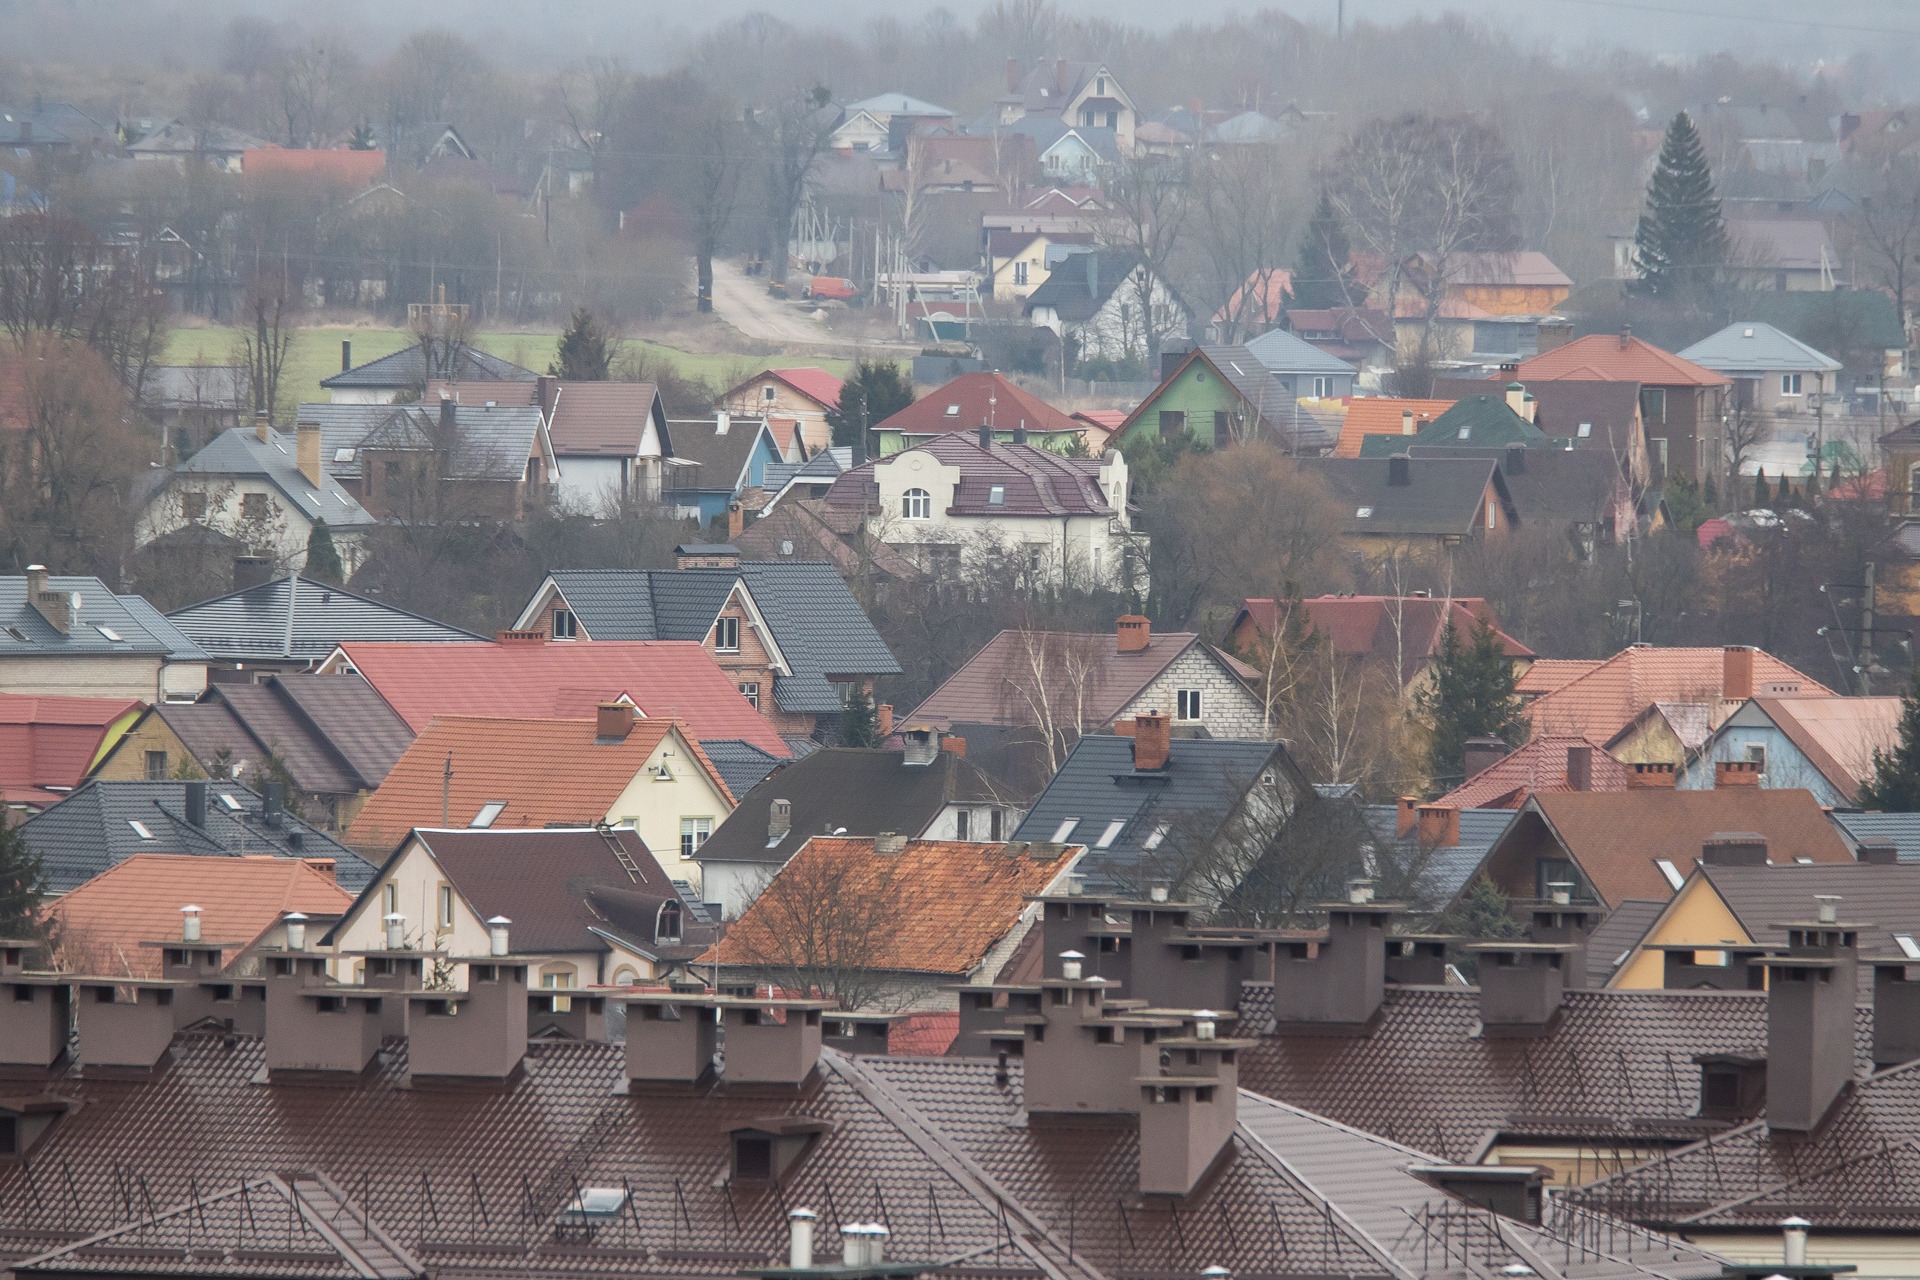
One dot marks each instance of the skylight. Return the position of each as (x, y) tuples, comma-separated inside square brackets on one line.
[(997, 495), (109, 633), (1065, 829), (598, 1202), (140, 829), (1112, 833), (1465, 432), (1908, 948), (1671, 872), (488, 812), (19, 635), (1155, 836), (231, 801), (1586, 430), (953, 411), (343, 455), (1362, 513)]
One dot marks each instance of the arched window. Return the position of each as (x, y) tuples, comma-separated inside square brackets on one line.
[(626, 976), (666, 927), (917, 504)]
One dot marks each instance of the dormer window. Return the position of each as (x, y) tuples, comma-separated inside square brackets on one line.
[(916, 504), (726, 635), (666, 925)]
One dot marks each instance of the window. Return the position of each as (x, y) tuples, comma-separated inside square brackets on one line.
[(1112, 833), (1789, 384), (193, 506), (693, 834), (1222, 433), (769, 393), (1323, 388), (726, 635), (1493, 513), (997, 495), (1100, 86), (489, 812), (953, 411), (1189, 708), (565, 625), (1065, 829), (1362, 513), (1756, 753), (140, 829), (844, 690), (446, 906), (559, 981), (390, 897), (110, 633), (1155, 836), (1653, 404), (156, 766), (392, 468), (1586, 430), (1552, 871), (962, 822), (1671, 872), (1463, 433), (1908, 947), (993, 829), (1172, 423), (666, 926), (750, 690), (1019, 273), (343, 455), (253, 506), (917, 504)]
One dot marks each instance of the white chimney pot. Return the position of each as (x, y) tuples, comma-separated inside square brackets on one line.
[(800, 1240), (190, 923), (1795, 1243), (1203, 1027), (1562, 894), (1829, 905), (497, 935), (296, 931), (1070, 965), (1157, 894), (396, 931)]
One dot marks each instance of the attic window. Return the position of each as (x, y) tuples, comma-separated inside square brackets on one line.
[(1154, 837), (1586, 430), (1671, 872), (997, 495), (19, 635), (1112, 832), (1362, 513), (140, 829), (1908, 948), (343, 455), (488, 813), (230, 801), (1065, 829), (953, 411), (110, 633)]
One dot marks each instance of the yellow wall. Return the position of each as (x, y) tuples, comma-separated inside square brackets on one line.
[(1512, 299), (1875, 1255), (1571, 1165), (126, 760), (1696, 914), (1650, 741)]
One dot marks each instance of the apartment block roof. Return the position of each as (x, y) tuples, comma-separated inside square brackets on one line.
[(407, 368), (1605, 357), (240, 452), (975, 400), (104, 921), (47, 744), (1605, 700), (1540, 765), (1442, 496), (1382, 416), (1033, 481), (105, 823), (296, 617), (988, 689), (663, 678)]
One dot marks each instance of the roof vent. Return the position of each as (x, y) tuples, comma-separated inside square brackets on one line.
[(497, 935)]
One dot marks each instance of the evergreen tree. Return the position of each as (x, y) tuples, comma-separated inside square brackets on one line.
[(1895, 784), (876, 391), (1784, 494), (323, 558), (1472, 696), (362, 139), (1324, 261), (586, 350), (1762, 495), (1681, 240), (23, 885), (1710, 494), (859, 722)]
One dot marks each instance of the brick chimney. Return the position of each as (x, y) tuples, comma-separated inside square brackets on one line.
[(1554, 333), (1439, 826), (1407, 815), (736, 520), (1896, 1014), (476, 1034), (1735, 849), (307, 452), (346, 355), (612, 722), (1132, 633), (883, 719), (261, 431), (56, 607), (779, 821), (954, 743), (1736, 773), (1879, 852), (519, 637), (1152, 741), (1482, 754), (1656, 775), (1736, 673), (1810, 995), (544, 386), (1580, 768)]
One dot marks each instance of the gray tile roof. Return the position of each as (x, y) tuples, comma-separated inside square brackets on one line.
[(1751, 346), (741, 764), (821, 468), (1079, 288), (493, 441), (1903, 829), (240, 452), (99, 608), (92, 830), (1617, 935), (1442, 498), (335, 733), (1448, 869), (408, 368), (189, 386), (254, 622), (1282, 352), (163, 629)]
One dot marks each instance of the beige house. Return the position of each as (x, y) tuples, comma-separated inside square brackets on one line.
[(793, 401), (73, 637)]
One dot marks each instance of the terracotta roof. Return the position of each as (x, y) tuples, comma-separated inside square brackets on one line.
[(1368, 625), (1525, 267), (1108, 418), (1604, 357), (1605, 700), (816, 384), (962, 405), (1548, 674), (1378, 416), (947, 903), (927, 1035), (1270, 287), (985, 690), (104, 921), (664, 678), (52, 742), (1539, 766), (543, 771), (1838, 735), (356, 169)]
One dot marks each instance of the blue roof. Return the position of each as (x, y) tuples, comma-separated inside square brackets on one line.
[(742, 765), (1448, 869)]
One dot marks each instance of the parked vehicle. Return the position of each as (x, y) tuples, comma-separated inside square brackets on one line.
[(831, 287)]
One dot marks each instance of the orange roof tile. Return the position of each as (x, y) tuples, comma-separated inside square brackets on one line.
[(1548, 674), (357, 170), (104, 921), (544, 771), (1605, 357), (1539, 766), (1838, 735), (1381, 416), (1605, 700), (946, 903)]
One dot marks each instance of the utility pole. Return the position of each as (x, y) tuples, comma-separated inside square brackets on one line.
[(446, 788), (1866, 635)]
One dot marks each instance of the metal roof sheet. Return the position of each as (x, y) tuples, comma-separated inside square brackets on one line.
[(253, 622)]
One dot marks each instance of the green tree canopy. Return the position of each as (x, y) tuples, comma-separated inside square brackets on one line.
[(1895, 784), (1681, 241), (859, 722), (1320, 273), (586, 350), (323, 558), (1472, 696), (876, 391), (23, 887)]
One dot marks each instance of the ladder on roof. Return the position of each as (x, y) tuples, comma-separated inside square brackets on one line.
[(620, 853)]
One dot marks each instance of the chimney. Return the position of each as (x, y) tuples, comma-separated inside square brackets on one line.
[(1417, 960), (480, 1034), (984, 434), (26, 132), (1650, 775), (736, 520), (307, 452), (1736, 673), (1580, 768), (1521, 983), (922, 744), (1626, 336), (1059, 75), (1528, 407), (1516, 459), (883, 720), (1013, 86), (1482, 754), (316, 1026), (1338, 982), (1439, 826), (250, 571), (761, 1050), (1554, 333), (1188, 1113), (261, 431), (1093, 273), (34, 1018), (1516, 397), (1896, 1015), (497, 936), (1879, 853), (800, 1221), (346, 355), (124, 1024), (446, 412), (1132, 633), (864, 1033), (296, 926), (1735, 849), (57, 607), (1810, 995), (519, 637), (1407, 816), (1020, 435), (196, 804), (671, 1039), (544, 385), (612, 722), (1406, 422), (779, 821), (1736, 773), (1400, 470), (954, 743), (328, 867), (273, 804), (1152, 741)]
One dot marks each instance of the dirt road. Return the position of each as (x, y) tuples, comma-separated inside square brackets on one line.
[(742, 301)]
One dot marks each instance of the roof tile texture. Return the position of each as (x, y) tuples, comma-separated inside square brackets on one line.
[(988, 689), (1377, 416), (1604, 357), (1605, 700), (1539, 766)]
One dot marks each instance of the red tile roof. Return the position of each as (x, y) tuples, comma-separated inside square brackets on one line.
[(52, 742), (1378, 416), (816, 384), (1539, 766), (544, 771), (971, 392), (1548, 674), (104, 921), (1604, 357), (1606, 699), (926, 1035), (1838, 735), (356, 170), (989, 688), (1363, 625), (676, 678)]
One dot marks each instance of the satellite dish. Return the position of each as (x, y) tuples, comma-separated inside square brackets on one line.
[(76, 602)]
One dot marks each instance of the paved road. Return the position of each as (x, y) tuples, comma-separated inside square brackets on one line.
[(742, 301)]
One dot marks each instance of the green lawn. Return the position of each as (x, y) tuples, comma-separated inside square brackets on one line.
[(316, 355)]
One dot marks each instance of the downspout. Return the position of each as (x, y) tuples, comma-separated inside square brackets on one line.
[(293, 596)]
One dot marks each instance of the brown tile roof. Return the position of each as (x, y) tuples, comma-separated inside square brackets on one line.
[(544, 771), (1605, 700), (1410, 628), (1838, 735), (1036, 481), (604, 418), (1605, 357), (1378, 416), (104, 921), (987, 690), (1541, 765), (1886, 896)]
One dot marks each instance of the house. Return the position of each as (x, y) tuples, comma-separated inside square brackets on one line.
[(56, 128), (1452, 841), (1503, 284), (1584, 495), (334, 737), (1360, 336), (289, 624), (1415, 506), (879, 123), (111, 923), (922, 791), (973, 402), (1773, 373), (1018, 262), (449, 461), (1783, 254), (1901, 830), (618, 769), (1578, 414), (1146, 803), (310, 173), (1068, 152), (191, 404), (1547, 674), (1401, 633), (1600, 703), (262, 489), (1477, 422), (789, 634), (1098, 425), (1259, 304), (526, 677), (809, 479), (1670, 733), (213, 145), (1682, 405), (1858, 327), (609, 439), (385, 380), (962, 497), (1083, 94), (1384, 416), (1094, 302), (72, 637), (1028, 696), (1611, 846), (1221, 396), (715, 462), (48, 744), (1543, 764), (804, 396), (1062, 210), (954, 912), (600, 911), (1303, 370), (807, 529), (103, 823), (1825, 745)]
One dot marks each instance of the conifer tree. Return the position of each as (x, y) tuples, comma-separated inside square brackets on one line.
[(1784, 494), (1895, 784), (1762, 494), (859, 721), (1324, 262), (323, 558), (23, 887), (1681, 240), (874, 393), (1472, 696), (586, 350)]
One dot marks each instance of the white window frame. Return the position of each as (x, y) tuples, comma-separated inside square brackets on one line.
[(1493, 513), (1107, 837), (962, 824), (726, 635), (750, 690), (1063, 832), (446, 906), (1790, 384), (693, 833), (769, 393), (1323, 387), (565, 625), (488, 814), (916, 504), (1189, 705)]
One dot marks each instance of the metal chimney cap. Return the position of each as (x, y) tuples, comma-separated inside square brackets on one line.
[(1216, 1272), (800, 1215), (1071, 955), (1795, 1223), (189, 907), (495, 920), (392, 916), (294, 915)]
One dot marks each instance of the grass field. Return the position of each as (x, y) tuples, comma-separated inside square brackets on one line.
[(316, 355)]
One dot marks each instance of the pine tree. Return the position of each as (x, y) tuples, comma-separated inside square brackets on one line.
[(874, 393), (1762, 495), (1895, 784), (1472, 696), (23, 886), (859, 722), (586, 350), (1784, 494), (1681, 240), (323, 558), (1324, 261), (1710, 494), (362, 139)]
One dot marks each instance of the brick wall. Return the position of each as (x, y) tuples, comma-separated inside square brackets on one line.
[(1228, 709)]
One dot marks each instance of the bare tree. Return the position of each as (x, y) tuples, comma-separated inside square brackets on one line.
[(1889, 230), (272, 317), (792, 135), (822, 926), (1148, 199), (1049, 686), (1247, 214)]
